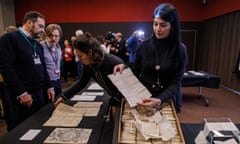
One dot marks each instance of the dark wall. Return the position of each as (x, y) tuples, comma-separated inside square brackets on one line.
[(126, 28), (219, 48)]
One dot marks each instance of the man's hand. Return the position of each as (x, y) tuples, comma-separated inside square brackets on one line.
[(51, 94), (58, 101), (26, 100)]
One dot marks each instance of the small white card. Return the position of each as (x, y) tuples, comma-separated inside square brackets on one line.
[(30, 134), (93, 93), (95, 86), (83, 98)]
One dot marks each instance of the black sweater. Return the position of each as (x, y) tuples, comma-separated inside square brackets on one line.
[(99, 74), (154, 52), (17, 64)]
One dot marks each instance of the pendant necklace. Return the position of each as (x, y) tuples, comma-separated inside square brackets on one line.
[(157, 68)]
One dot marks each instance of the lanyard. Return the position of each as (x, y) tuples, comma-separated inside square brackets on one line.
[(33, 46), (55, 58)]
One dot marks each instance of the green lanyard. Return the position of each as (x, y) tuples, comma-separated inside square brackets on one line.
[(33, 46)]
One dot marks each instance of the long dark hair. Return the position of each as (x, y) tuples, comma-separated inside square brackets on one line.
[(86, 42), (168, 13)]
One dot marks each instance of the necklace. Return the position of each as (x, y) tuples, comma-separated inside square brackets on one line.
[(157, 68)]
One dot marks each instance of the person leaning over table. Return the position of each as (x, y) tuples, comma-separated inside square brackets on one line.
[(23, 69), (160, 61), (97, 65)]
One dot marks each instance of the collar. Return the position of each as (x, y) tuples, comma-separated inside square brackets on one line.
[(25, 32), (49, 45)]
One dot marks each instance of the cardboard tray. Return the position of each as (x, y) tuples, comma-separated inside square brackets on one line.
[(168, 110)]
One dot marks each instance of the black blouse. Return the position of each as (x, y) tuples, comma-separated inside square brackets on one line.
[(160, 68)]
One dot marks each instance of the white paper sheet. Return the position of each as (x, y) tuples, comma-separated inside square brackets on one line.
[(93, 93), (83, 98), (94, 86), (30, 134)]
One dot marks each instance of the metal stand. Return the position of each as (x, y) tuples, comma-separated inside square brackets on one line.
[(200, 96)]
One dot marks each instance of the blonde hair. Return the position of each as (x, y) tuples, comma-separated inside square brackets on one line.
[(51, 27), (10, 28)]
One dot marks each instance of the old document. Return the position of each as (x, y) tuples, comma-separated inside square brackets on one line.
[(68, 136), (65, 115), (90, 108), (131, 88)]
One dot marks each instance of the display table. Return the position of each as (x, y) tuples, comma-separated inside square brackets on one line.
[(102, 133), (36, 122), (200, 79)]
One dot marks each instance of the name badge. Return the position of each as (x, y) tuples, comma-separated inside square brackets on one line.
[(36, 60), (57, 71)]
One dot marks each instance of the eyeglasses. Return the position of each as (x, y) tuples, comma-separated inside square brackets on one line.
[(56, 36)]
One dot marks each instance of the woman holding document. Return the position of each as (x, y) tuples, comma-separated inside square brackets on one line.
[(97, 65), (160, 60)]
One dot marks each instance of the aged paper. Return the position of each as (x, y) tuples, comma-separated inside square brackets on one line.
[(131, 88), (88, 111), (88, 104), (65, 115), (67, 110), (90, 108), (68, 136), (156, 128), (128, 133), (69, 121)]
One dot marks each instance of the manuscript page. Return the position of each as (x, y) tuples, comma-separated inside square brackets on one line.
[(131, 88)]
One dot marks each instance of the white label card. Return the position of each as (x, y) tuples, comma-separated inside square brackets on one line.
[(30, 134)]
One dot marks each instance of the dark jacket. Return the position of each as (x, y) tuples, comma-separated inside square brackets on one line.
[(99, 74), (17, 64)]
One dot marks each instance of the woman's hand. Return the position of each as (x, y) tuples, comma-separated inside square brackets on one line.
[(118, 68), (150, 102), (58, 101)]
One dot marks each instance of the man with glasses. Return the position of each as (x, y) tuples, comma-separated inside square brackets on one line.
[(23, 69), (53, 55)]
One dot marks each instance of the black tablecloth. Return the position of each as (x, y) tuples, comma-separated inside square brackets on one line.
[(103, 132), (36, 122), (205, 79)]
